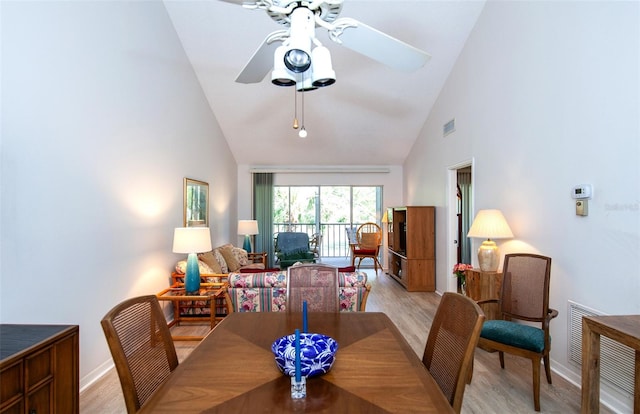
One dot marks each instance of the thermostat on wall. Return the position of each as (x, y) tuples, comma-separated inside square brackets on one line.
[(582, 191)]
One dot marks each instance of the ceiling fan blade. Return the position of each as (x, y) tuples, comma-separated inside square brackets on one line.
[(241, 2), (261, 62), (380, 46)]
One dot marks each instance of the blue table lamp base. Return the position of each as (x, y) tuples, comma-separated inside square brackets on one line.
[(247, 243), (192, 275)]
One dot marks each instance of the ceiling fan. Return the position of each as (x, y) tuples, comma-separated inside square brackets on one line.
[(293, 45)]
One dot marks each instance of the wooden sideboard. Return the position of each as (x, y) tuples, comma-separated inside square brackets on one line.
[(39, 369), (482, 286)]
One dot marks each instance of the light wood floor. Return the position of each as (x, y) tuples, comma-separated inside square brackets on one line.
[(492, 390)]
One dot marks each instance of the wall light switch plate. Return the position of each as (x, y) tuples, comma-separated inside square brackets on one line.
[(582, 207)]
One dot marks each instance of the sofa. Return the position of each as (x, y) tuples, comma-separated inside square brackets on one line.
[(217, 263), (214, 268), (267, 291)]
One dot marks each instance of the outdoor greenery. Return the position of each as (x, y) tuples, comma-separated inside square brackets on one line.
[(329, 204)]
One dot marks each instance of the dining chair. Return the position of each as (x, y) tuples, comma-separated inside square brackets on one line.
[(141, 346), (315, 283), (451, 344), (524, 296), (369, 240)]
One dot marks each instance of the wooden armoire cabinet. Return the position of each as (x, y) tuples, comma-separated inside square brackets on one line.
[(411, 247)]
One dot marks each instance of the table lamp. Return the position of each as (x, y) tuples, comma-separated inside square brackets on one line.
[(192, 240), (248, 228), (489, 224)]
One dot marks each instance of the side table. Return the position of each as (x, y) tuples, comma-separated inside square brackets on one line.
[(482, 286), (208, 294)]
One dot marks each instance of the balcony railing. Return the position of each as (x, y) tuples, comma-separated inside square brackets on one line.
[(334, 243)]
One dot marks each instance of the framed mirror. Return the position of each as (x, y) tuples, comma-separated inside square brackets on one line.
[(196, 203)]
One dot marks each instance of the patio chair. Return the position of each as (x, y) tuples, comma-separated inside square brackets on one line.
[(292, 247), (369, 239)]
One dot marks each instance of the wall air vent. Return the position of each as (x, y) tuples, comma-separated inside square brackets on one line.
[(449, 127), (616, 360)]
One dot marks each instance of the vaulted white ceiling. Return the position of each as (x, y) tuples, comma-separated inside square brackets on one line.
[(370, 116)]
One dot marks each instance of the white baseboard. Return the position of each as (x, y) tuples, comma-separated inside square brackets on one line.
[(96, 374)]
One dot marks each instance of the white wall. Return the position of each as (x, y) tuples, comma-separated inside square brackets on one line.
[(102, 118), (545, 97)]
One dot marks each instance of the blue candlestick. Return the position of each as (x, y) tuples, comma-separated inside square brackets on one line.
[(297, 345), (305, 325)]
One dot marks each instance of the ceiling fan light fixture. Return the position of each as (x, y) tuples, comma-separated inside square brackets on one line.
[(322, 73), (305, 85), (297, 58), (280, 76)]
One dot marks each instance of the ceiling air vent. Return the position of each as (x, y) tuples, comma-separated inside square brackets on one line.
[(449, 127)]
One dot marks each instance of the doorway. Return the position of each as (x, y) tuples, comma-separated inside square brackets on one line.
[(460, 216)]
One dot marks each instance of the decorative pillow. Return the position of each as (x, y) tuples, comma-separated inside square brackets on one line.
[(223, 263), (210, 259), (241, 255), (232, 262), (181, 267)]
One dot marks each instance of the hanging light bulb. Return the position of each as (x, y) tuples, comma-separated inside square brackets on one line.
[(302, 133)]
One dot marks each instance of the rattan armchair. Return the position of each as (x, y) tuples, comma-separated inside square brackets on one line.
[(141, 347), (524, 296), (369, 238), (450, 347)]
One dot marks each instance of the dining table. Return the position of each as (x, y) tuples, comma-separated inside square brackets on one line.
[(233, 369)]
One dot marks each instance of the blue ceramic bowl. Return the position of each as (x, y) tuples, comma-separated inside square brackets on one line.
[(318, 353)]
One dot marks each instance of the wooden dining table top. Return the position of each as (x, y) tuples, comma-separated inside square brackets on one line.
[(233, 370)]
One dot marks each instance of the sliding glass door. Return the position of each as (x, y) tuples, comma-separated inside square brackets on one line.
[(326, 211)]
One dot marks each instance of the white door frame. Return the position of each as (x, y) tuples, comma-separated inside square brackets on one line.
[(452, 220)]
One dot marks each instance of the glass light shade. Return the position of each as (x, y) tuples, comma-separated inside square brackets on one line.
[(322, 73), (280, 76), (297, 60)]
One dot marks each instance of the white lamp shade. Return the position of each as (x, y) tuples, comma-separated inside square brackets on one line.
[(247, 227), (490, 224), (191, 240)]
